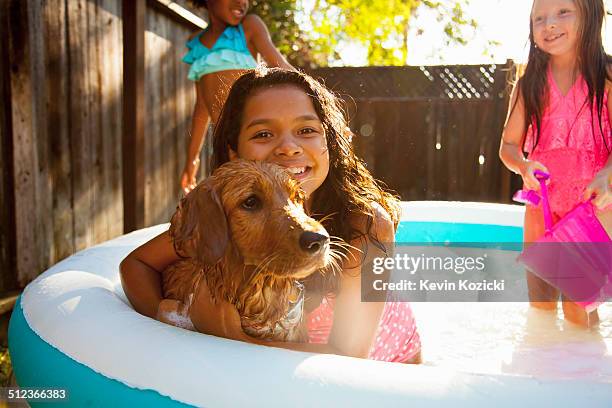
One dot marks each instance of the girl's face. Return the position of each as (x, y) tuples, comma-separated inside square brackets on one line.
[(231, 12), (280, 125), (555, 26)]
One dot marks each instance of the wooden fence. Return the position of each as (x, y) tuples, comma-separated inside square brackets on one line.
[(69, 178), (61, 125), (430, 133)]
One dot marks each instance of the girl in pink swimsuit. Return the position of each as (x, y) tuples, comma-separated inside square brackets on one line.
[(560, 116)]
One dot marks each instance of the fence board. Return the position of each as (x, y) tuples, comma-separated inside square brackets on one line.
[(24, 143), (185, 98), (430, 149), (169, 141), (171, 96), (42, 225), (56, 97), (412, 149), (168, 138), (97, 216), (8, 279), (80, 131), (153, 123), (112, 110), (133, 140), (469, 151), (103, 198)]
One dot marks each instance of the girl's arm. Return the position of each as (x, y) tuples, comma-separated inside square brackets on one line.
[(141, 273), (510, 151), (199, 125), (260, 38), (356, 322)]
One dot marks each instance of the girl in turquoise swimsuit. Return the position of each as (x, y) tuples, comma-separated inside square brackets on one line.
[(218, 56)]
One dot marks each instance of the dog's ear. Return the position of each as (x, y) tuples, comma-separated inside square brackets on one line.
[(198, 227)]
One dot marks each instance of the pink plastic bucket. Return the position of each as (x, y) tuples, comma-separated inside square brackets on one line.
[(575, 254)]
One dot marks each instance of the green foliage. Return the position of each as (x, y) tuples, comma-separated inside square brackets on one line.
[(5, 367), (280, 17), (380, 26)]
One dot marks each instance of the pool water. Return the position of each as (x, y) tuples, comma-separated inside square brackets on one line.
[(505, 337)]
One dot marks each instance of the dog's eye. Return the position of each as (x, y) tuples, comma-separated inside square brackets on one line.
[(251, 203)]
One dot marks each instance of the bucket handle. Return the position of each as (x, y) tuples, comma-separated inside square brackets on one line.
[(548, 220)]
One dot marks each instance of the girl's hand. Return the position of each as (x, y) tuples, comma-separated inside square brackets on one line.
[(175, 313), (527, 170), (188, 177), (218, 319), (600, 188)]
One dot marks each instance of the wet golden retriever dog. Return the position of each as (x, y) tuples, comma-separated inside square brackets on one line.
[(244, 234)]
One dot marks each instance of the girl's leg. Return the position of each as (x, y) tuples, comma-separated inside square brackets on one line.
[(572, 311), (541, 294), (577, 315), (605, 217)]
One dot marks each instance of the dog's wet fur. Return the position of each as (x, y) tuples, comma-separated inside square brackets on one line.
[(245, 234)]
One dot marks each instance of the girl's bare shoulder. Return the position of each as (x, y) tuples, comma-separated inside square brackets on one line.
[(251, 20), (379, 222), (375, 228), (253, 25)]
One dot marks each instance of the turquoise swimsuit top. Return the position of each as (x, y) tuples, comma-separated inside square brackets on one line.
[(229, 52)]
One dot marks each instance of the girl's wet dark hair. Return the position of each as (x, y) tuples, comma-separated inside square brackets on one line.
[(349, 189), (593, 64)]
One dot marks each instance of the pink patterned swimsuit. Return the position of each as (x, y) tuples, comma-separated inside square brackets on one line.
[(397, 338), (570, 143)]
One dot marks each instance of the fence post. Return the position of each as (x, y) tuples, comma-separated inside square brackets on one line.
[(133, 114), (8, 232)]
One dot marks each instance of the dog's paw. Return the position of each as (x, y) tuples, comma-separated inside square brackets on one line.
[(175, 313)]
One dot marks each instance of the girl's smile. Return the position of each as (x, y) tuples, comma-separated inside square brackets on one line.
[(229, 11), (239, 9), (555, 26), (280, 125)]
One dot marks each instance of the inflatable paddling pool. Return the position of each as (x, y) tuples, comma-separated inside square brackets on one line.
[(74, 329)]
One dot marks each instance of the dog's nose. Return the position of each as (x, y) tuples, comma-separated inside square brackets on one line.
[(312, 241)]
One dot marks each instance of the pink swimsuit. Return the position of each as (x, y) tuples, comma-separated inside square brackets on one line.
[(397, 338), (570, 143)]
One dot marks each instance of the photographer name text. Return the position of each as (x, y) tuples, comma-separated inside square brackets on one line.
[(440, 286)]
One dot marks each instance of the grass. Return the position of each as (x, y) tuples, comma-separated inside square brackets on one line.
[(6, 369)]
